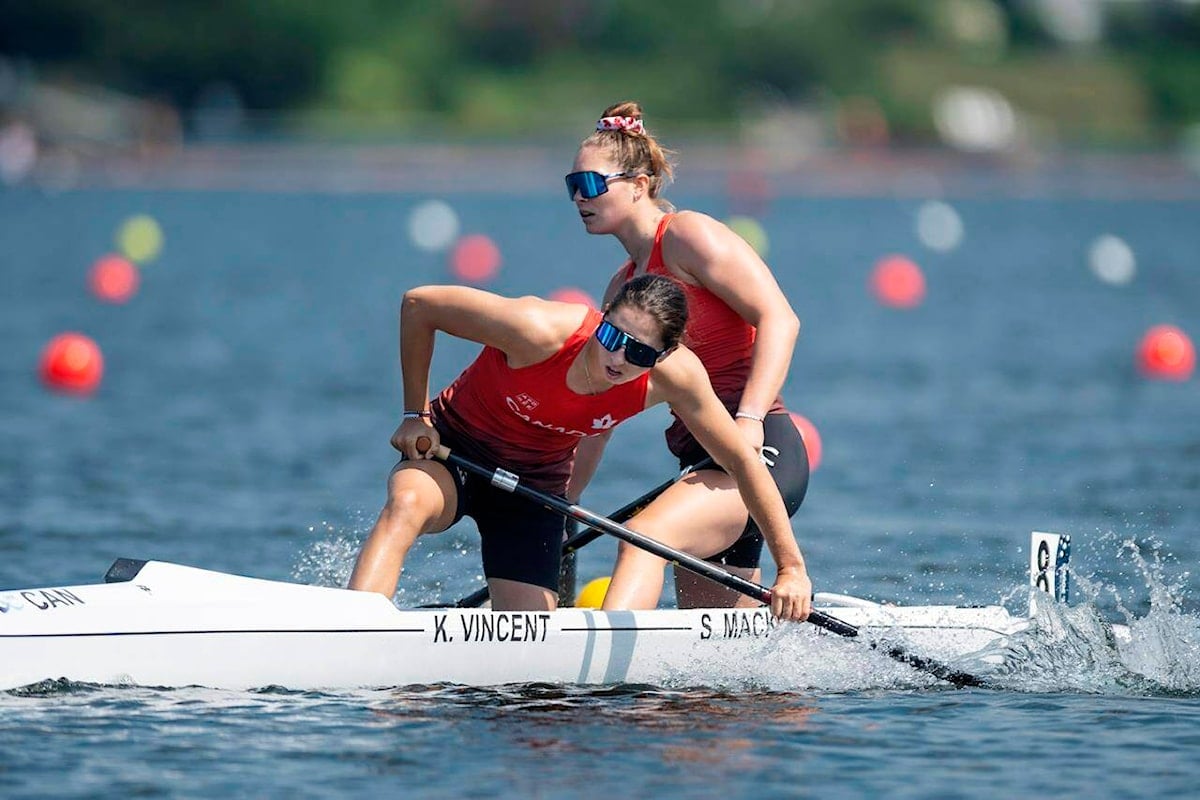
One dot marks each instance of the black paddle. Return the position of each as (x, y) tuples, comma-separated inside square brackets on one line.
[(502, 479), (577, 540)]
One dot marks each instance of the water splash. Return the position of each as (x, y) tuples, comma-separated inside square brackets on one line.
[(1081, 648), (1066, 649), (434, 566), (1135, 641), (330, 560), (1164, 645), (842, 665), (799, 658)]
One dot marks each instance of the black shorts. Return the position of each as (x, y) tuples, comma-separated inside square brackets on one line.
[(520, 540), (787, 461)]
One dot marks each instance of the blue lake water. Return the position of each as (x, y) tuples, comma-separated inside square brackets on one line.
[(243, 422)]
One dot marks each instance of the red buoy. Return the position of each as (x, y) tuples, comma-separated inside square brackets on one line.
[(897, 282), (569, 294), (812, 440), (113, 279), (1166, 353), (72, 363), (475, 259)]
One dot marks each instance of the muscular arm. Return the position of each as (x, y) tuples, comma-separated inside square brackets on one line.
[(680, 380), (587, 460), (526, 329), (703, 251)]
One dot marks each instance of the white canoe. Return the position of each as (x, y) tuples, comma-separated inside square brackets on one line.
[(155, 623)]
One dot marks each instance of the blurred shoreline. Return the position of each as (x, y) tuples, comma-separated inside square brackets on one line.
[(750, 176), (60, 137)]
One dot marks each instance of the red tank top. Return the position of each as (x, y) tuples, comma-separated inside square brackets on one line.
[(527, 420), (716, 333)]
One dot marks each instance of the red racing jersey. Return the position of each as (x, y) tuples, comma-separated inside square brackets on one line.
[(720, 338), (527, 420)]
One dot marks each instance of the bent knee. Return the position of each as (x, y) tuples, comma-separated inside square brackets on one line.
[(408, 502), (402, 495)]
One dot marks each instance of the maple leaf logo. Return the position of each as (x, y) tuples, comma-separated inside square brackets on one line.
[(603, 423)]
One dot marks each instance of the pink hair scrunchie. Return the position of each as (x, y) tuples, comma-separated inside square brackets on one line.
[(630, 124)]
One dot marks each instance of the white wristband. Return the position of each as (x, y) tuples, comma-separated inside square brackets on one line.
[(747, 415)]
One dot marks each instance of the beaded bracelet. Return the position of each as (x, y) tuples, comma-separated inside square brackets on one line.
[(747, 415)]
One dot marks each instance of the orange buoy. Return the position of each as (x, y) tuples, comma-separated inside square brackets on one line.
[(72, 363)]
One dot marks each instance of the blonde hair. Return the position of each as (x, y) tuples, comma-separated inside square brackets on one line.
[(635, 151)]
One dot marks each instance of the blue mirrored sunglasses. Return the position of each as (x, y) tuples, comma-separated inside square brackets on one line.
[(612, 339), (591, 184)]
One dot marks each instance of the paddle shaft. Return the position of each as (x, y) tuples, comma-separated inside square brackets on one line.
[(577, 540), (507, 481), (627, 511)]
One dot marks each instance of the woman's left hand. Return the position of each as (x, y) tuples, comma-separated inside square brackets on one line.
[(791, 596)]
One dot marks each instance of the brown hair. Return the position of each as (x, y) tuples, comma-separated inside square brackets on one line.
[(636, 151), (660, 297)]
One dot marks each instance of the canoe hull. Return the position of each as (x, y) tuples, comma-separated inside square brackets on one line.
[(163, 624)]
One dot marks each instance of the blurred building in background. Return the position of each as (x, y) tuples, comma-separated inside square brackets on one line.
[(394, 94)]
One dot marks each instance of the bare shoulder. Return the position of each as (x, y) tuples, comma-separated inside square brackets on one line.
[(689, 221), (694, 238), (679, 373), (549, 322)]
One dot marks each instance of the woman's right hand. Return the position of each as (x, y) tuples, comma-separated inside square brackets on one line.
[(791, 596), (410, 430)]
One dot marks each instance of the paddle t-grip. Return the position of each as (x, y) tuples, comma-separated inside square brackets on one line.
[(424, 443)]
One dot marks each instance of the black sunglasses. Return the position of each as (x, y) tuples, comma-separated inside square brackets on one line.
[(592, 184), (612, 339)]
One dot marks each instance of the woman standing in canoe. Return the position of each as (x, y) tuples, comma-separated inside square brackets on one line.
[(742, 329), (550, 375)]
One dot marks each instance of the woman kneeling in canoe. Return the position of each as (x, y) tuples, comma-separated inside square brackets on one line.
[(550, 374)]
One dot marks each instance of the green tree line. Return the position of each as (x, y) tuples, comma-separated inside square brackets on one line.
[(505, 67)]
